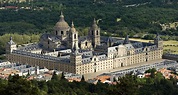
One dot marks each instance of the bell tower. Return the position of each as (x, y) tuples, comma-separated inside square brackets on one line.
[(73, 37), (158, 41), (94, 34)]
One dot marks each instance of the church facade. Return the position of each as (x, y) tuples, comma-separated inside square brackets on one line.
[(63, 49)]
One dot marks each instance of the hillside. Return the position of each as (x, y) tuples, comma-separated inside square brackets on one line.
[(118, 17)]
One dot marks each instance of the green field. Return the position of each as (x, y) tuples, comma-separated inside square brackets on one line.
[(169, 46)]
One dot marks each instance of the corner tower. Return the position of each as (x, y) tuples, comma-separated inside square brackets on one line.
[(158, 41), (10, 46), (61, 28), (94, 34), (73, 37)]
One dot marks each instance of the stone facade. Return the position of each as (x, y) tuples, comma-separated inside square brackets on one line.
[(64, 50)]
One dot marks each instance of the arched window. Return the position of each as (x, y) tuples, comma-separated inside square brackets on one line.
[(56, 32), (62, 32), (48, 41), (86, 43), (92, 32), (97, 32), (75, 36), (122, 65)]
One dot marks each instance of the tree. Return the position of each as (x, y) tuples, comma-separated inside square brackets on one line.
[(62, 76), (55, 76), (82, 79)]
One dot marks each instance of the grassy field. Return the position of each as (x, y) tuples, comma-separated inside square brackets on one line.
[(140, 40), (169, 46)]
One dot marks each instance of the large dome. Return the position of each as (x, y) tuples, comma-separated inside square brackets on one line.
[(61, 24)]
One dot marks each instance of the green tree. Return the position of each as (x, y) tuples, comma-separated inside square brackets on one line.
[(82, 79)]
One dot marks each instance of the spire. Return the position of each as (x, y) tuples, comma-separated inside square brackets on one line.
[(158, 37), (109, 42), (61, 16), (126, 41), (94, 21), (72, 29), (61, 13), (94, 26), (72, 25)]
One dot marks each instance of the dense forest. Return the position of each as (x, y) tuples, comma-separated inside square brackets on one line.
[(115, 17), (128, 85), (136, 18)]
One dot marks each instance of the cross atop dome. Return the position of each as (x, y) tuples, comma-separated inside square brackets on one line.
[(61, 16)]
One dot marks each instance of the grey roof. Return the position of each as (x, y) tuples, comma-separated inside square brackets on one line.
[(137, 45), (129, 46), (102, 57), (83, 38), (86, 60), (153, 47), (112, 39), (51, 37), (46, 57), (87, 54), (30, 47), (138, 50)]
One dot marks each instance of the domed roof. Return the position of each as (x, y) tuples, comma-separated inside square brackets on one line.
[(72, 29), (94, 26), (61, 24)]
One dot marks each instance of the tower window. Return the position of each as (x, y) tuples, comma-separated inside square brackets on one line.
[(62, 32), (56, 32), (97, 33), (86, 43), (92, 32), (75, 36), (48, 41)]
